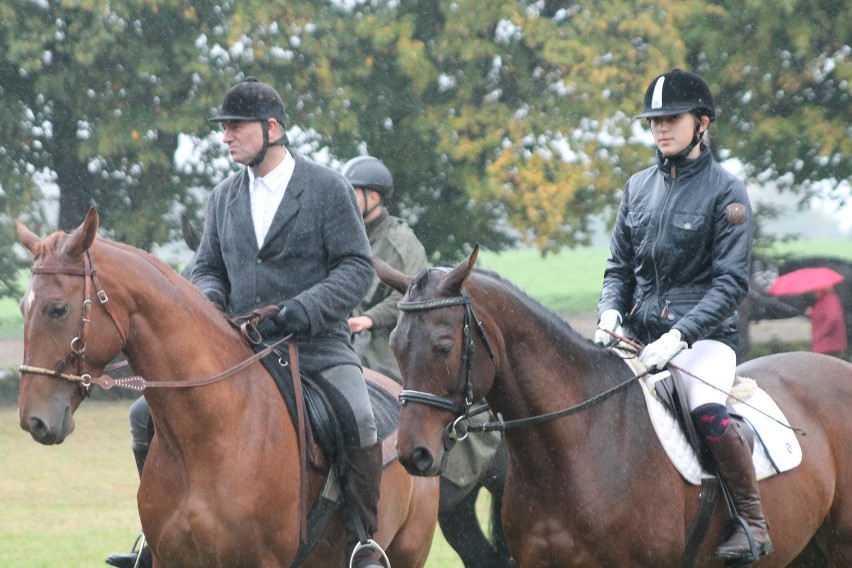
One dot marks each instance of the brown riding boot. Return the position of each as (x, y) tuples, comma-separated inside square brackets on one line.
[(733, 459), (363, 481)]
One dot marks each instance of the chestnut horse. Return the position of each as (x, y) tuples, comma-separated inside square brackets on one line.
[(594, 487), (221, 485)]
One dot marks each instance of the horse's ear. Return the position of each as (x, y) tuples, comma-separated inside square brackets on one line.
[(455, 279), (190, 233), (391, 276), (83, 236), (26, 237)]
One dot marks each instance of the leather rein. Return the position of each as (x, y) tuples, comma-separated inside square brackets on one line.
[(461, 426), (78, 344)]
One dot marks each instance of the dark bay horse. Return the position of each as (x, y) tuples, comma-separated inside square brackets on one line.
[(221, 486), (595, 488)]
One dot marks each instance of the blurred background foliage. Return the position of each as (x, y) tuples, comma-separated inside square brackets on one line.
[(503, 122)]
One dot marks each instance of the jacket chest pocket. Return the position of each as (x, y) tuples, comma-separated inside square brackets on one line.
[(638, 220), (688, 228)]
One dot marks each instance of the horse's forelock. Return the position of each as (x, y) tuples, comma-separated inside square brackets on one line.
[(49, 245)]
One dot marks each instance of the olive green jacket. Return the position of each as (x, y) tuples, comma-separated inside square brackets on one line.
[(391, 240)]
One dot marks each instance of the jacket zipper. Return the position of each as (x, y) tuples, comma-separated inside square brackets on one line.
[(663, 219)]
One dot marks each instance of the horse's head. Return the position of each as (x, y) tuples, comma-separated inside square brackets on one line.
[(443, 355), (59, 310)]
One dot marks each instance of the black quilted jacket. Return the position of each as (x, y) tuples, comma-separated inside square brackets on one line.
[(680, 250)]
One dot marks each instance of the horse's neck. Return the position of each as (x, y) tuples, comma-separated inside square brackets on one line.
[(547, 369), (174, 332)]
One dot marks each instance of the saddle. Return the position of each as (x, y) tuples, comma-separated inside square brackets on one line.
[(671, 394), (316, 423), (324, 437)]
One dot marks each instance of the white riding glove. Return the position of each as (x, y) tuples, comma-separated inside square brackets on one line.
[(659, 353), (610, 321)]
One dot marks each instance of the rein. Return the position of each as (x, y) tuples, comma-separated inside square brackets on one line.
[(138, 383), (78, 344), (465, 411)]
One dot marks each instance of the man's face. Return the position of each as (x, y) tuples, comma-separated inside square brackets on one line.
[(243, 138)]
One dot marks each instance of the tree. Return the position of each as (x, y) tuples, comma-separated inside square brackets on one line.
[(95, 97), (484, 110), (782, 73), (499, 119)]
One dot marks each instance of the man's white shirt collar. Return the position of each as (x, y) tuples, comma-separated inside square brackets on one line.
[(266, 194)]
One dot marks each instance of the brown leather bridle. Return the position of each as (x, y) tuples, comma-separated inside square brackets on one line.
[(77, 353)]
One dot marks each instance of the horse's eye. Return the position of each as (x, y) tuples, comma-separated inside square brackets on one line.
[(442, 351), (57, 311)]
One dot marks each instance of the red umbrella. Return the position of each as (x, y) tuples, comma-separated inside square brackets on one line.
[(804, 280)]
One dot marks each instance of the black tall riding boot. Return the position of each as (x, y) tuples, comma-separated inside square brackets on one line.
[(733, 458), (363, 482)]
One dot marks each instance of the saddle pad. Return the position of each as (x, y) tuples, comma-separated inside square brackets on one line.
[(753, 404)]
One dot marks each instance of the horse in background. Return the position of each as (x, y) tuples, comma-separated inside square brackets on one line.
[(577, 492), (221, 486)]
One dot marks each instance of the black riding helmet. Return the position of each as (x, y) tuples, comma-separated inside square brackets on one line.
[(250, 101), (677, 92), (367, 172)]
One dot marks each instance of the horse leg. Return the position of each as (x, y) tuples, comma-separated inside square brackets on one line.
[(461, 529), (495, 481)]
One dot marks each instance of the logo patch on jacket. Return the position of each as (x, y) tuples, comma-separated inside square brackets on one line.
[(737, 213)]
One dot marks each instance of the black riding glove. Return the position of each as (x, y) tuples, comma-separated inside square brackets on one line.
[(216, 297), (293, 319)]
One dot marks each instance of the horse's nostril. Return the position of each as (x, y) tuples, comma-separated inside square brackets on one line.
[(422, 459), (37, 427)]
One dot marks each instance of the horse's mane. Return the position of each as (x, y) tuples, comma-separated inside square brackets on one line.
[(51, 244), (557, 327), (145, 256)]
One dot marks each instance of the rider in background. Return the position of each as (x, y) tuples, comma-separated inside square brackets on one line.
[(391, 240), (678, 269), (828, 323)]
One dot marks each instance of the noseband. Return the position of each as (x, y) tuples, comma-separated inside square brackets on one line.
[(462, 410), (77, 352)]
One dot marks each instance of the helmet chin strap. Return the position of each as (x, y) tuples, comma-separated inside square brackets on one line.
[(677, 159), (283, 141), (365, 212)]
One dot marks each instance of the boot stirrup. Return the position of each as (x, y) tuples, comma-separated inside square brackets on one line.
[(372, 545)]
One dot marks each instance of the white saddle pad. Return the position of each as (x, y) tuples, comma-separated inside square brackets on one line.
[(751, 402)]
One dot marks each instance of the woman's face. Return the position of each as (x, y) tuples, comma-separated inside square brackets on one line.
[(674, 133)]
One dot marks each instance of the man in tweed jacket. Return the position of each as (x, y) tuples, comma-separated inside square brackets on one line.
[(285, 230)]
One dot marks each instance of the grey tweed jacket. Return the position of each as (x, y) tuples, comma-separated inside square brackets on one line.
[(316, 253)]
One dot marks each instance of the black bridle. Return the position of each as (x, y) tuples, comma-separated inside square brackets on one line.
[(460, 426), (465, 382)]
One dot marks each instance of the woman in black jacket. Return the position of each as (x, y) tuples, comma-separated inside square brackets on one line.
[(678, 269)]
